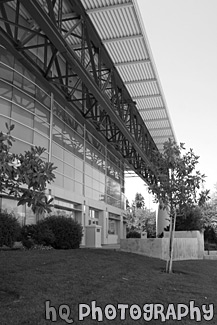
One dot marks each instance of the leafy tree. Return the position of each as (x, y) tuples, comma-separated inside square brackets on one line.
[(209, 209), (139, 218), (139, 201), (25, 176), (177, 186)]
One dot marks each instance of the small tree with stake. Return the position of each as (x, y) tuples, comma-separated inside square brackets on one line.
[(25, 176), (177, 186)]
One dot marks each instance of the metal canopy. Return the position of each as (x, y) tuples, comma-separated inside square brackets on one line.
[(57, 41), (121, 29)]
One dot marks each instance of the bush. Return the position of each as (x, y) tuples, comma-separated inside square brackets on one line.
[(133, 234), (9, 229), (210, 234), (38, 234), (192, 220), (68, 232)]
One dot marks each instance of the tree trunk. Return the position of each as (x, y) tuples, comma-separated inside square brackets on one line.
[(171, 240)]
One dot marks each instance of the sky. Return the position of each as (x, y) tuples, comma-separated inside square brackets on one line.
[(182, 35)]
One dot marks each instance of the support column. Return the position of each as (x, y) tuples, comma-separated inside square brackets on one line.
[(121, 228), (162, 220), (83, 222), (103, 222)]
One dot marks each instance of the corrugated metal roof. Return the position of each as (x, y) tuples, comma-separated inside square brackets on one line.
[(121, 29)]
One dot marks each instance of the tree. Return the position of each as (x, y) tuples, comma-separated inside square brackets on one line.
[(139, 201), (25, 176), (177, 185), (139, 218), (209, 209)]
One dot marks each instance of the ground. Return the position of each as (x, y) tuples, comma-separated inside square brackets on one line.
[(30, 278)]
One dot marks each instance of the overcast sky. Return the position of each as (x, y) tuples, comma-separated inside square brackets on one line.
[(183, 38)]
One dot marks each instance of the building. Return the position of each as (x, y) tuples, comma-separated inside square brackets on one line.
[(62, 91)]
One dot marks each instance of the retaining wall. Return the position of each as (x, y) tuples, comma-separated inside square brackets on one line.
[(187, 245)]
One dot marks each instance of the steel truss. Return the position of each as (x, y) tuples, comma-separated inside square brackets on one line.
[(58, 42)]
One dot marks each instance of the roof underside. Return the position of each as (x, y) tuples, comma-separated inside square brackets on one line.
[(120, 27)]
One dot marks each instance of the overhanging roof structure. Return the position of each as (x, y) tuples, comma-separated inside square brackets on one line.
[(121, 29), (58, 42)]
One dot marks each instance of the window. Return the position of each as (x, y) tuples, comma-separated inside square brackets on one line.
[(5, 107), (21, 115), (112, 227)]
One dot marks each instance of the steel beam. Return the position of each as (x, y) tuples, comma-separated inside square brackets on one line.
[(112, 7), (88, 77), (146, 96), (133, 82), (122, 38), (127, 63)]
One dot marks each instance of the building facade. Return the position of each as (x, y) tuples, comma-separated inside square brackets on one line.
[(89, 184)]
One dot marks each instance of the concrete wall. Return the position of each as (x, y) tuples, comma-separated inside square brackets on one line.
[(149, 247), (187, 245)]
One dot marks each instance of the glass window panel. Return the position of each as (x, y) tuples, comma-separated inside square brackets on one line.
[(78, 164), (19, 67), (42, 97), (88, 181), (59, 164), (5, 107), (78, 176), (41, 126), (23, 100), (42, 112), (6, 73), (20, 147), (58, 124), (6, 57), (58, 181), (88, 170), (69, 171), (5, 90), (29, 76), (96, 174), (18, 80), (22, 115), (95, 185), (102, 188), (57, 137), (22, 132), (88, 192), (96, 195), (102, 178), (44, 156), (68, 138), (29, 87), (78, 188), (69, 158), (57, 151), (41, 141), (68, 184)]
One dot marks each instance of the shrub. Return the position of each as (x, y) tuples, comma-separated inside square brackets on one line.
[(68, 232), (9, 229), (133, 234), (192, 220), (38, 234), (210, 234)]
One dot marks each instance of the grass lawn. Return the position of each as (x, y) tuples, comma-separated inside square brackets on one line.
[(30, 278)]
